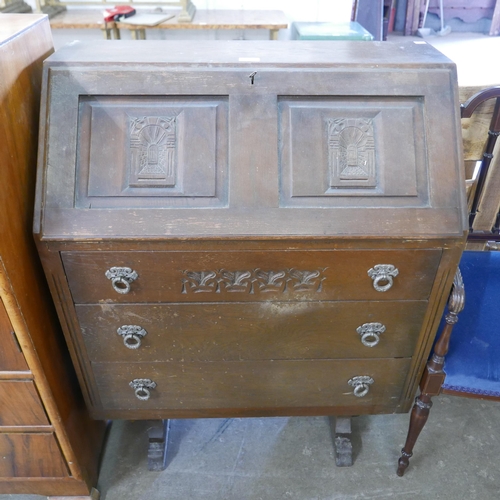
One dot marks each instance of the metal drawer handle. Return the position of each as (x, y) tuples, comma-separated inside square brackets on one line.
[(132, 335), (142, 388), (121, 277), (361, 385), (382, 275), (370, 333)]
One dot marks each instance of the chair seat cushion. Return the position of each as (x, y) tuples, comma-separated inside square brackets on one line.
[(473, 361)]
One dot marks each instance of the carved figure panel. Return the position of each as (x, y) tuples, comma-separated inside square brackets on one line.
[(253, 281), (351, 152), (153, 150)]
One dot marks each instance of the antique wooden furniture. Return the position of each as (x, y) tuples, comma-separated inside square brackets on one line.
[(249, 228), (48, 443), (272, 20)]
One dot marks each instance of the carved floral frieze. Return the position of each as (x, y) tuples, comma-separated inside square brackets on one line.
[(253, 281)]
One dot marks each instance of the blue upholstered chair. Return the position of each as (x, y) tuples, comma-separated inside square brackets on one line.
[(472, 365), (466, 363)]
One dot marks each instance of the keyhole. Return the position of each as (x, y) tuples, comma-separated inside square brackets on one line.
[(252, 77)]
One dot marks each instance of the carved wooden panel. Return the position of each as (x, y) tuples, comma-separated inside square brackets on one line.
[(351, 152), (153, 151), (253, 281), (339, 152), (141, 152)]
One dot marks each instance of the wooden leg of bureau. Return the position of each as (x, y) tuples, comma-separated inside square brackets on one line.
[(341, 427), (158, 440), (433, 377)]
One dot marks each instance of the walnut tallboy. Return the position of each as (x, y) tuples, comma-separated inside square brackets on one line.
[(249, 228), (48, 443)]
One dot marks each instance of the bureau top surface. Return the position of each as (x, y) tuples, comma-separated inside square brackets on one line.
[(252, 53), (237, 139)]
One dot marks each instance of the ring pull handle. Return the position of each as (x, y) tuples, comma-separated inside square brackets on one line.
[(382, 276), (370, 333), (142, 388), (132, 335), (361, 385), (121, 277)]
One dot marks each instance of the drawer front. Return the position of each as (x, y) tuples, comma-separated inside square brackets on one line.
[(31, 455), (252, 331), (20, 404), (255, 384), (11, 357), (250, 276)]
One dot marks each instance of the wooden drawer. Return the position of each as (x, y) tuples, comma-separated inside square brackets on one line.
[(255, 384), (20, 404), (245, 276), (252, 331), (31, 455), (11, 357)]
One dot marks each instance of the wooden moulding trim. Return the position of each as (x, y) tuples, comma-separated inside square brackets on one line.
[(16, 375), (47, 486), (22, 333), (26, 428), (312, 411)]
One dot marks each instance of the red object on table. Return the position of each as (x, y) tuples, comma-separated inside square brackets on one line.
[(118, 12)]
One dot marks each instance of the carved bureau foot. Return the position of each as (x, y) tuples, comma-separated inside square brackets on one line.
[(157, 450), (341, 430), (433, 377)]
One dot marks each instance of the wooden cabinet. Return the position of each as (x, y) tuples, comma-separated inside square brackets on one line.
[(246, 229), (48, 444)]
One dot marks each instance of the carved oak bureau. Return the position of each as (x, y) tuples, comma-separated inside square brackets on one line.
[(249, 228)]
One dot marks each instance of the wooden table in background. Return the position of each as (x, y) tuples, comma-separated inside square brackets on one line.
[(272, 20)]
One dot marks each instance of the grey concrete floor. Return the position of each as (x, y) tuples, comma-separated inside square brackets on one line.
[(456, 458), (292, 458)]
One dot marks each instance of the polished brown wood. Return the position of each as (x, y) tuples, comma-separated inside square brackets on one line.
[(235, 201), (11, 356), (31, 456), (20, 404), (50, 444)]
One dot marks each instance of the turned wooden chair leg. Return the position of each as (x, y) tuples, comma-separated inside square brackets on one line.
[(418, 418), (433, 377)]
